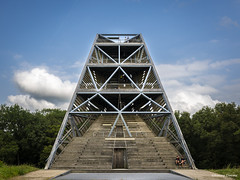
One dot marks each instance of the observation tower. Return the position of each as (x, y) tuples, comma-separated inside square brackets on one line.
[(119, 116)]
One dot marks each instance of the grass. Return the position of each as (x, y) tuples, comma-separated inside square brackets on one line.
[(228, 172), (7, 171)]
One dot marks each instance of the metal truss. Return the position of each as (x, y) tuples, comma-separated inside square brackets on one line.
[(119, 78)]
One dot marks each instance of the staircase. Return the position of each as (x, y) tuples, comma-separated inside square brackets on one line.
[(95, 150)]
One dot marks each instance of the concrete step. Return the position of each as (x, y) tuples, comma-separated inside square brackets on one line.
[(92, 151), (150, 167), (146, 160)]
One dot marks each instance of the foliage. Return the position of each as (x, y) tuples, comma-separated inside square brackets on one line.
[(213, 135), (11, 171), (26, 137)]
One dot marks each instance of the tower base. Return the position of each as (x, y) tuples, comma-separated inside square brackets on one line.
[(95, 151)]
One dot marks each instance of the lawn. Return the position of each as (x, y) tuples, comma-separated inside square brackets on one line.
[(229, 172), (7, 171)]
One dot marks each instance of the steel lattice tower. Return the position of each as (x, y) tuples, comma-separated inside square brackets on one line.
[(119, 78)]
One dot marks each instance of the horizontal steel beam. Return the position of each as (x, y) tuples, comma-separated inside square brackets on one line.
[(116, 112), (119, 92), (121, 44), (140, 65), (119, 34)]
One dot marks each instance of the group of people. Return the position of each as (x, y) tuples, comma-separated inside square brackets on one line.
[(180, 161)]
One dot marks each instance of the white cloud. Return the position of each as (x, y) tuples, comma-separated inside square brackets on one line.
[(41, 89), (232, 90), (182, 70), (227, 22), (17, 56), (190, 85), (29, 102), (78, 64), (214, 41), (200, 89), (207, 78), (63, 105), (41, 84), (191, 101), (219, 64), (190, 97)]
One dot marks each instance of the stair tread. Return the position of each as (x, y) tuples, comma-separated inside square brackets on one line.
[(94, 151)]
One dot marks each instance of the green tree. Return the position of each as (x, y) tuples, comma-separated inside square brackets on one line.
[(25, 135), (8, 147), (206, 134), (14, 120), (213, 135), (229, 126)]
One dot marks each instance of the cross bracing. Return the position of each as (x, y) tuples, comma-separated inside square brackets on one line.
[(119, 78)]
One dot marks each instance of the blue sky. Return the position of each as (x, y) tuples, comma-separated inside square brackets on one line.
[(195, 45)]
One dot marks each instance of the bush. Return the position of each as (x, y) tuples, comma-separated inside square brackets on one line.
[(1, 164)]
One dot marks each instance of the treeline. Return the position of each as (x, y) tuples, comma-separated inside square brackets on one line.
[(27, 137), (212, 134)]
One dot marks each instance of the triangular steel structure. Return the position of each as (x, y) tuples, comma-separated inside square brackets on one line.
[(119, 78)]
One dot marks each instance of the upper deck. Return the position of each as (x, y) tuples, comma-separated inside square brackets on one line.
[(119, 38), (119, 49)]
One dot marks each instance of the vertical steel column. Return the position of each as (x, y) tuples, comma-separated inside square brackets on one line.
[(119, 53)]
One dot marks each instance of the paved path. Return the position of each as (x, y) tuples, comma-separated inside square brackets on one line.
[(41, 175), (201, 174), (193, 174), (121, 176)]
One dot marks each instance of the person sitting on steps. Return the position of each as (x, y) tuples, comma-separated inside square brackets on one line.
[(177, 162), (182, 162)]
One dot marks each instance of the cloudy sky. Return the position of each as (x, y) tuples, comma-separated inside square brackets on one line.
[(195, 45)]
